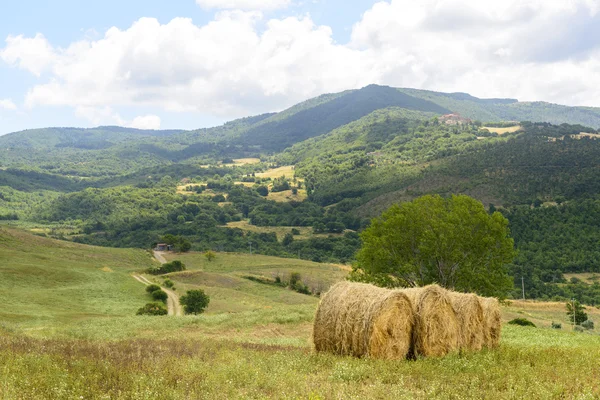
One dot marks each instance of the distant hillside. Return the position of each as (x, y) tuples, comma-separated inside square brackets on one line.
[(495, 110), (315, 121), (111, 151)]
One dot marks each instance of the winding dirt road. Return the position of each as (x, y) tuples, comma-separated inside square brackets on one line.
[(173, 299), (159, 257)]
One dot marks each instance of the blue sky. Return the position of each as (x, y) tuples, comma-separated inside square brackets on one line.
[(195, 63)]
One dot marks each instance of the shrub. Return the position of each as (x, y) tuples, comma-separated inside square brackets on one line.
[(194, 301), (294, 278), (588, 324), (152, 288), (287, 239), (295, 231), (160, 295), (173, 266), (263, 191), (522, 322), (168, 283), (210, 255), (152, 309), (556, 325)]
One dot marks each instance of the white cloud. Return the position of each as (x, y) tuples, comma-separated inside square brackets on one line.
[(240, 63), (33, 54), (7, 104), (225, 68), (146, 122), (244, 4)]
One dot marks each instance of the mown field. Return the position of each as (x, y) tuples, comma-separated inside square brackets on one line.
[(68, 330)]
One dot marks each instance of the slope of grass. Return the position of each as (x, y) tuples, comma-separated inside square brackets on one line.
[(48, 285)]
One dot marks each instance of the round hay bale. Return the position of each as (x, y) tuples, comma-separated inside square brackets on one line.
[(364, 321), (436, 332), (472, 325), (493, 320)]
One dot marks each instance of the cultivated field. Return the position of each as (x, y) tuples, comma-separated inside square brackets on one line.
[(306, 232), (287, 171), (501, 131), (68, 330)]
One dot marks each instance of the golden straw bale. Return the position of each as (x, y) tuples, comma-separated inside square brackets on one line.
[(363, 320), (493, 320), (472, 324), (436, 331)]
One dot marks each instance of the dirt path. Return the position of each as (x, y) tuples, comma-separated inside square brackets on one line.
[(172, 301), (159, 257)]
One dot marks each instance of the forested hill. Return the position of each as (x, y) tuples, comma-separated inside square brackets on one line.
[(111, 151), (305, 182)]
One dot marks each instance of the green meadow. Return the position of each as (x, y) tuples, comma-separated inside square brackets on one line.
[(68, 330)]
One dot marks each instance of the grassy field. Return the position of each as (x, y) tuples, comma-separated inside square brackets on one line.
[(48, 285), (287, 171), (306, 232), (68, 330), (501, 131), (586, 277), (287, 195)]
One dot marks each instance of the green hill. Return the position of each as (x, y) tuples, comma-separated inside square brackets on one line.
[(49, 285)]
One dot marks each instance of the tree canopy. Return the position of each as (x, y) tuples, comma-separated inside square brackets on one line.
[(453, 242)]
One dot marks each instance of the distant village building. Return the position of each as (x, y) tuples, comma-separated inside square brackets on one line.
[(163, 247), (454, 119)]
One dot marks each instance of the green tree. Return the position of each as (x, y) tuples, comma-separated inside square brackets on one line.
[(453, 242), (577, 309), (183, 246), (287, 239), (210, 255), (262, 190), (194, 301)]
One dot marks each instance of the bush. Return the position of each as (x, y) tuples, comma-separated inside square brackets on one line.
[(588, 324), (173, 266), (152, 288), (168, 283), (210, 255), (522, 322), (295, 277), (194, 301), (295, 231), (263, 191), (152, 309), (556, 325), (160, 295)]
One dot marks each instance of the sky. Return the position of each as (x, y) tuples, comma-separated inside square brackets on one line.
[(188, 64)]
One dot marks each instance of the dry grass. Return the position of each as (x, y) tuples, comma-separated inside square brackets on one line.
[(359, 320), (305, 231), (436, 331), (287, 195), (502, 131), (472, 326), (287, 171), (244, 161), (493, 320), (586, 277)]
